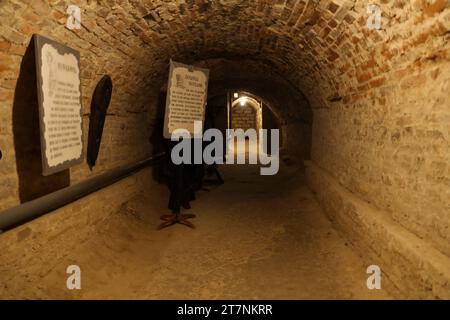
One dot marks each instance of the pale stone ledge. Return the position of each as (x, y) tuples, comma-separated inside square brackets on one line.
[(417, 268)]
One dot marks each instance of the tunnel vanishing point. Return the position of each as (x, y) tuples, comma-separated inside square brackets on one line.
[(364, 117)]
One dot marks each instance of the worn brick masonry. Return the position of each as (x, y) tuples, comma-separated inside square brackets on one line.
[(243, 118), (378, 100)]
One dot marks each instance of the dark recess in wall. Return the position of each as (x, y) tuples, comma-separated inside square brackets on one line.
[(157, 138), (99, 108)]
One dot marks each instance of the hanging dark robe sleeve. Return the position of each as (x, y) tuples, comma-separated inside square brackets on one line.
[(99, 107)]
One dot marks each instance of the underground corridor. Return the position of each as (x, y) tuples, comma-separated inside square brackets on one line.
[(358, 93)]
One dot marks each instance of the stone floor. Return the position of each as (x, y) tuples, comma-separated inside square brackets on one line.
[(256, 238)]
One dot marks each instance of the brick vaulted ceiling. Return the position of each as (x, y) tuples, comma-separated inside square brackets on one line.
[(321, 47)]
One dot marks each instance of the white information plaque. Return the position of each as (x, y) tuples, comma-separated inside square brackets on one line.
[(187, 92), (59, 94)]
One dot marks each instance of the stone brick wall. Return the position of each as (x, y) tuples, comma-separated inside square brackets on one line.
[(379, 98), (31, 251), (243, 117), (127, 127), (415, 267), (388, 139)]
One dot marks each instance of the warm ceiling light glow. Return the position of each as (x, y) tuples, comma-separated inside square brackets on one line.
[(243, 101), (236, 95)]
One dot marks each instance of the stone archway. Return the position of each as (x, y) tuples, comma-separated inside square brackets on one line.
[(246, 113)]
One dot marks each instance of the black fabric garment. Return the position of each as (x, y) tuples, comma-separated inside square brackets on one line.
[(182, 180)]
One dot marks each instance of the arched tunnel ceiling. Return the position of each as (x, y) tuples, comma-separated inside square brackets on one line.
[(297, 39), (322, 48), (292, 37)]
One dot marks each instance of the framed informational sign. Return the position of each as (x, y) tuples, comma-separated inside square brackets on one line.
[(59, 95), (187, 93)]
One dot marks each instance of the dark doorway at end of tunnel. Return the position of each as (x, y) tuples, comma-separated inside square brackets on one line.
[(157, 138), (216, 114), (269, 122), (26, 130)]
